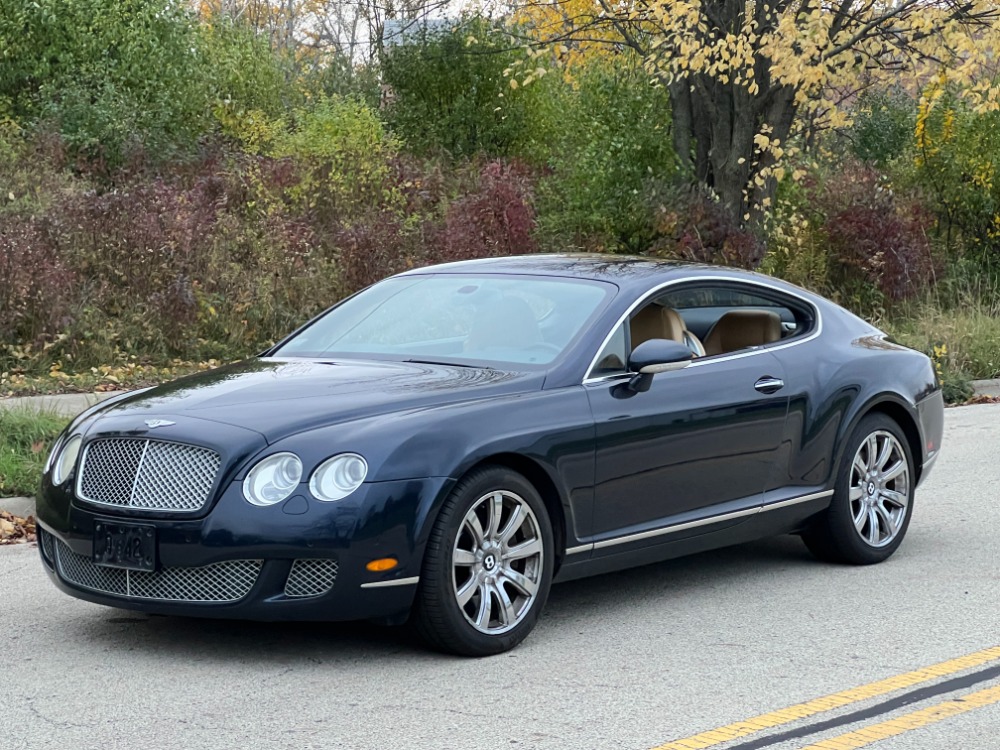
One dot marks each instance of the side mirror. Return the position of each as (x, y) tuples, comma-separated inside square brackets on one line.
[(655, 356)]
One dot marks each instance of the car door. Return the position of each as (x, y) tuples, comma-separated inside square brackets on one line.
[(701, 442)]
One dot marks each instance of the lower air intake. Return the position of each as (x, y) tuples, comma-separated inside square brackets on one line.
[(217, 583), (311, 578)]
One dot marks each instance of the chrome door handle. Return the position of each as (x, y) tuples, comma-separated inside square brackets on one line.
[(767, 384)]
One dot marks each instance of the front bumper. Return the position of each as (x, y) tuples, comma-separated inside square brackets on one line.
[(930, 413), (257, 548)]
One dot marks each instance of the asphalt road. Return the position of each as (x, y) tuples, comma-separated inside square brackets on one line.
[(630, 660)]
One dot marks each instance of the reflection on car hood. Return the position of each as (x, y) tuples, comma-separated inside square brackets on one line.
[(278, 397)]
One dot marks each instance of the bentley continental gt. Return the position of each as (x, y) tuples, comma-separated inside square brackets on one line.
[(442, 446)]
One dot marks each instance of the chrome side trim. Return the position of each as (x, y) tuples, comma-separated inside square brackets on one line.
[(705, 360), (706, 521), (797, 500), (675, 527), (387, 584), (578, 550)]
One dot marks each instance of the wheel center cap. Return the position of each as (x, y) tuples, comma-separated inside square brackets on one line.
[(490, 562), (871, 488)]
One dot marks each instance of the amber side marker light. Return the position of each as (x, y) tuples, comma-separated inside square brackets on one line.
[(382, 564)]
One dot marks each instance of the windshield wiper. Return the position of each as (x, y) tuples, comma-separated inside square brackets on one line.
[(446, 364)]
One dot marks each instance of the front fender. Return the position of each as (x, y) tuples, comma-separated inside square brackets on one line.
[(552, 429)]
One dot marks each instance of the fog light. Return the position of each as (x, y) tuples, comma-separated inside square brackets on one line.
[(382, 564)]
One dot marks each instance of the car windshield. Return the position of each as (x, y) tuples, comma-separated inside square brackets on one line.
[(467, 319)]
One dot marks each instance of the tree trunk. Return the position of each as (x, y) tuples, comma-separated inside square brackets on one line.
[(714, 128)]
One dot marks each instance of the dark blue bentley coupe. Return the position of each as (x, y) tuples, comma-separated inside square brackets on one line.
[(444, 445)]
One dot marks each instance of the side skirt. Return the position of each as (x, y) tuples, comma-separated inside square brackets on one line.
[(774, 519)]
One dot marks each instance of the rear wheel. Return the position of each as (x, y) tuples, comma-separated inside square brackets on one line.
[(488, 566), (873, 497)]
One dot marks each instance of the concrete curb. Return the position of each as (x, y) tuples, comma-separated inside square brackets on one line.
[(986, 387), (67, 405), (18, 506)]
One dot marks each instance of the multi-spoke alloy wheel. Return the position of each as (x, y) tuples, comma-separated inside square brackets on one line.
[(488, 565), (880, 488), (498, 562), (873, 497)]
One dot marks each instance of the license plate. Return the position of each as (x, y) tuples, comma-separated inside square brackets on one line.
[(125, 545)]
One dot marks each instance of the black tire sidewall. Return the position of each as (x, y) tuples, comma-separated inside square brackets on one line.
[(438, 616), (841, 528)]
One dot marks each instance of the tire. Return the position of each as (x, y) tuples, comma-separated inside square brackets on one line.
[(474, 600), (872, 505)]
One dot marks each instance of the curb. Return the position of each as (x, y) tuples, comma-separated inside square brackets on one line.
[(18, 506), (986, 387), (67, 405)]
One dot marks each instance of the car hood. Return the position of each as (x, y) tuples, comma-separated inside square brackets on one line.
[(278, 397)]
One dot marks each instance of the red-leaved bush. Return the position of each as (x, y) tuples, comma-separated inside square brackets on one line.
[(873, 236), (494, 218), (491, 217), (691, 225), (37, 288)]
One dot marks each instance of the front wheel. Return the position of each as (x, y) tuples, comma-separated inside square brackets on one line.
[(488, 566), (873, 497)]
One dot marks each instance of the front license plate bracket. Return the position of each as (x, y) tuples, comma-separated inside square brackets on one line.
[(125, 545)]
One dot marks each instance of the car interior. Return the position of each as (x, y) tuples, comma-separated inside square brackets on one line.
[(709, 321)]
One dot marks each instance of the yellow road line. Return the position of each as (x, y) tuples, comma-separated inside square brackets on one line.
[(836, 700), (910, 721)]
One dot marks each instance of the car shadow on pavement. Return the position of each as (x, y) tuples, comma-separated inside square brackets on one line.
[(342, 644)]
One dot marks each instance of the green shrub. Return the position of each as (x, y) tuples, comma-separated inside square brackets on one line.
[(113, 75), (245, 75), (954, 164), (447, 91), (883, 125), (342, 152), (605, 139)]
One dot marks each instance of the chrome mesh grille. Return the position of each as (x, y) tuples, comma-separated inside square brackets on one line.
[(227, 581), (311, 578), (45, 538), (148, 474)]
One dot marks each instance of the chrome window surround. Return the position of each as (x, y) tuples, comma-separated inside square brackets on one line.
[(702, 361), (695, 524)]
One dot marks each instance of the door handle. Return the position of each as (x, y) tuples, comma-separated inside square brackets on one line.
[(767, 384)]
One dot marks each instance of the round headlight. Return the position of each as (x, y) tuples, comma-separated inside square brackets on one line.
[(63, 465), (273, 479), (338, 477)]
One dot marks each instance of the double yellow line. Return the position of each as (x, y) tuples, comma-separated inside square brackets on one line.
[(868, 735)]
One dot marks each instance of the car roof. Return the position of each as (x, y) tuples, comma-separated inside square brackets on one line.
[(622, 270)]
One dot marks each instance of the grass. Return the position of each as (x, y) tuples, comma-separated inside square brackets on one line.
[(958, 323), (25, 439)]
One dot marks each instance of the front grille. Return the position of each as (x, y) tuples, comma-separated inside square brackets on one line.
[(45, 538), (311, 578), (220, 582), (147, 474)]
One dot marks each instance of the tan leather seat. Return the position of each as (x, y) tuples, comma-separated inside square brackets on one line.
[(687, 338), (739, 329), (655, 322)]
